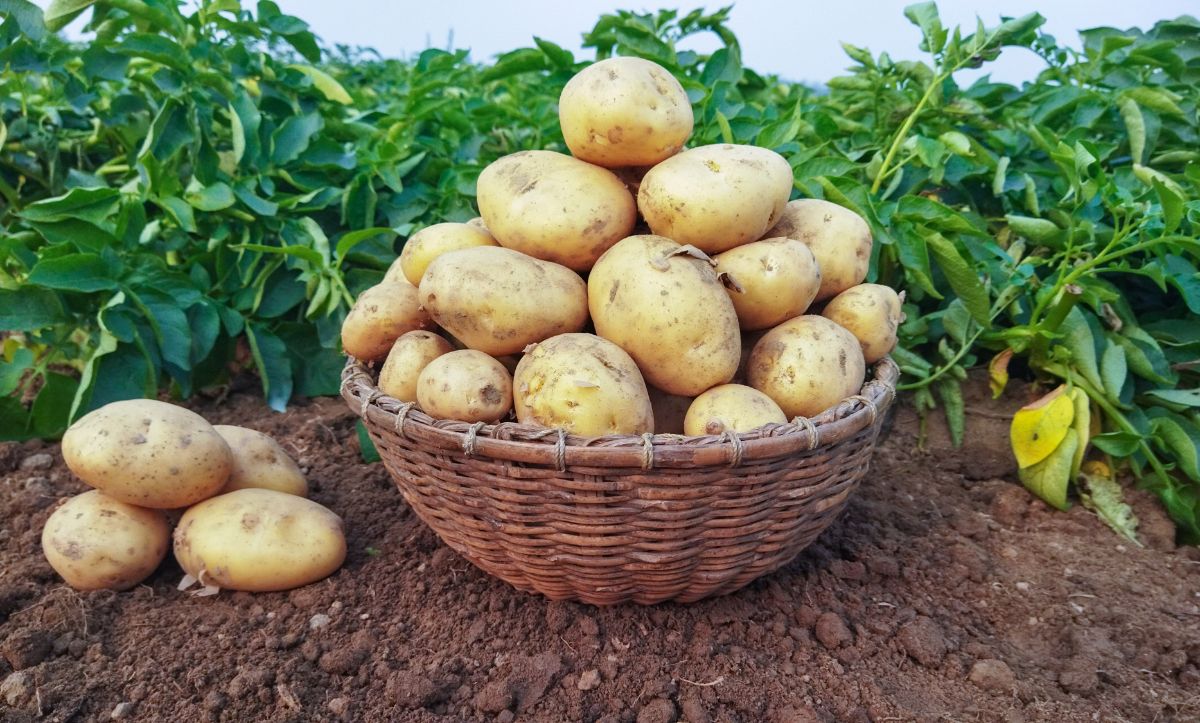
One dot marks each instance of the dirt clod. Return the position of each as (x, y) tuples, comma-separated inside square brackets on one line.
[(123, 711), (832, 631), (37, 461), (26, 649), (659, 710), (993, 675), (16, 688), (588, 679), (923, 640)]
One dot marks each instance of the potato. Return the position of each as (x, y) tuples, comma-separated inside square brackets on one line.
[(499, 301), (669, 410), (148, 453), (554, 207), (432, 241), (731, 408), (668, 310), (584, 384), (807, 365), (838, 237), (478, 223), (776, 279), (871, 312), (624, 112), (380, 316), (259, 461), (97, 543), (466, 385), (409, 355), (716, 197), (259, 540)]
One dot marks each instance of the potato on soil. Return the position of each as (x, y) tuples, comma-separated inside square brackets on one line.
[(97, 543), (668, 310), (259, 540), (554, 207), (774, 280), (716, 197), (807, 365), (432, 241), (148, 453), (731, 408), (669, 410), (838, 237), (871, 312), (380, 316), (259, 461), (584, 384), (466, 385), (624, 112), (499, 301), (409, 355)]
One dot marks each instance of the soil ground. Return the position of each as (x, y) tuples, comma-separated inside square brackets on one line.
[(944, 592)]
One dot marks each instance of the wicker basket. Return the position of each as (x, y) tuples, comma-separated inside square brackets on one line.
[(624, 518)]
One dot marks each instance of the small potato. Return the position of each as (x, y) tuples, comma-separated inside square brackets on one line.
[(97, 543), (410, 354), (432, 241), (778, 278), (871, 312), (259, 461), (466, 385), (259, 540), (839, 238), (731, 408), (807, 365), (380, 316), (148, 453), (669, 410), (624, 112), (584, 384)]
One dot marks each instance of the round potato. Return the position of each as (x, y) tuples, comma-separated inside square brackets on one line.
[(259, 462), (774, 280), (380, 316), (624, 112), (871, 312), (410, 354), (554, 207), (259, 540), (716, 197), (97, 543), (807, 365), (667, 309), (584, 384), (499, 301), (838, 237), (466, 385), (669, 410), (731, 408), (432, 241), (148, 453)]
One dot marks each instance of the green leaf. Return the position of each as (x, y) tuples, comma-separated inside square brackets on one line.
[(12, 372), (29, 309), (216, 197), (157, 48), (1113, 370), (1118, 444), (525, 60), (1101, 494), (366, 447), (1135, 128), (29, 18), (950, 392), (74, 272), (1078, 339), (914, 257), (1038, 230), (51, 409), (1156, 99), (1182, 439), (348, 241), (925, 16), (557, 55), (1179, 397), (293, 137), (961, 277), (271, 360), (94, 205), (180, 212), (1000, 177), (1172, 207), (724, 65), (322, 81), (1050, 478)]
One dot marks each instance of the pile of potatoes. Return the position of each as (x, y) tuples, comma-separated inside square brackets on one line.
[(633, 286), (245, 524)]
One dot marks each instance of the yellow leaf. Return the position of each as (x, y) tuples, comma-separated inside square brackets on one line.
[(325, 83), (998, 372), (1049, 478), (1038, 428), (1082, 425)]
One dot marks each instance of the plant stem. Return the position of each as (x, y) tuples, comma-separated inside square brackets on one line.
[(904, 129)]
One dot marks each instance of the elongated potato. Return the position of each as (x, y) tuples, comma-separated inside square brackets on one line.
[(380, 316), (871, 312), (432, 241), (97, 543), (259, 461), (807, 365), (839, 238), (776, 279), (410, 354), (466, 385), (731, 408)]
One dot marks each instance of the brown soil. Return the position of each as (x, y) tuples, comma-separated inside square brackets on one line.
[(944, 592)]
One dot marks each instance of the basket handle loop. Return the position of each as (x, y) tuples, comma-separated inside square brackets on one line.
[(367, 400), (811, 428), (869, 404), (469, 441), (402, 416), (737, 450), (648, 451), (560, 451)]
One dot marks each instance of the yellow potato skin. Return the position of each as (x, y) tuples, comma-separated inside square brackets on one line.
[(779, 279), (554, 207), (624, 112), (716, 197), (871, 312), (731, 408), (259, 540), (97, 543), (148, 453), (466, 385), (839, 238), (260, 462), (499, 301), (432, 241), (380, 316), (807, 365), (584, 384), (410, 354), (669, 312), (669, 410)]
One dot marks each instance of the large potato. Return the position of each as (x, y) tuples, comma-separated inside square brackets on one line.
[(776, 279), (871, 312), (554, 207), (409, 355), (466, 385), (669, 311), (584, 384), (97, 543), (731, 408), (716, 197), (148, 453), (259, 461), (838, 237), (380, 316), (432, 241), (259, 540), (499, 301), (807, 365), (624, 112), (669, 410)]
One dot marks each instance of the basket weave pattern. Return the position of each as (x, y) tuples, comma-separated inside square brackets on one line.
[(624, 518)]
